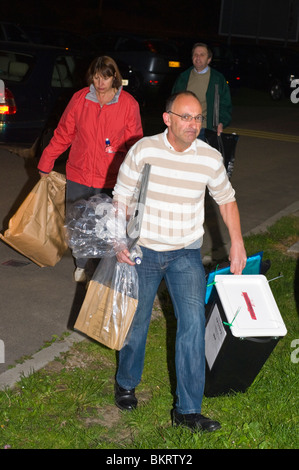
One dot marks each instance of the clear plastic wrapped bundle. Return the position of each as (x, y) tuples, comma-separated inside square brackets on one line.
[(96, 227)]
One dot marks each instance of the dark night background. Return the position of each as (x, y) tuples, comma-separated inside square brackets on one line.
[(155, 17), (197, 19)]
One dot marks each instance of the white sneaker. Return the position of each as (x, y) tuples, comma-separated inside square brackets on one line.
[(80, 275)]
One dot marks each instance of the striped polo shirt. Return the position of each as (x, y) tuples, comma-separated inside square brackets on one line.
[(174, 208)]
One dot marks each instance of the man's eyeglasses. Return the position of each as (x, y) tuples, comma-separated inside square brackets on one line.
[(188, 117)]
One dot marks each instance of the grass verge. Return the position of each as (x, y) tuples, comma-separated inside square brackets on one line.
[(70, 403)]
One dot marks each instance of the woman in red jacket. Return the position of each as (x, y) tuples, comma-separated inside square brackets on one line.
[(100, 123)]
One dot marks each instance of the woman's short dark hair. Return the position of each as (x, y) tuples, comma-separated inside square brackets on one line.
[(106, 67)]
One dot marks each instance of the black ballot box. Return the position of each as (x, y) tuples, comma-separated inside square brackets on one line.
[(243, 327)]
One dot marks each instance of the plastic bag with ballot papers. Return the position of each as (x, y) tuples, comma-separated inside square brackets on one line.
[(98, 228)]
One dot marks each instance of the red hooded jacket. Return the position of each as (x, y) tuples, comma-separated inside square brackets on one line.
[(85, 125)]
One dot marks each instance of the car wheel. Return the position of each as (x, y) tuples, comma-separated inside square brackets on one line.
[(276, 91)]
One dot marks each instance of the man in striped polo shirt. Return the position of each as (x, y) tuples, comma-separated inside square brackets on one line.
[(182, 167)]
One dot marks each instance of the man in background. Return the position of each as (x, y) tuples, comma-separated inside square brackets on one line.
[(202, 79)]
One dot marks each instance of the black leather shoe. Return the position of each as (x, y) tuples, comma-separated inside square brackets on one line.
[(125, 399), (195, 422)]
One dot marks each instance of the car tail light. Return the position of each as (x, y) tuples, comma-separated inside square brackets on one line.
[(150, 46), (7, 102)]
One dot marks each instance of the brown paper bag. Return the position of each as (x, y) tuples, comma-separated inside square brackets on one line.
[(110, 303), (98, 319), (37, 228)]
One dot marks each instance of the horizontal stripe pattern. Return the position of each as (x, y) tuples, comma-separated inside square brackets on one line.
[(174, 210)]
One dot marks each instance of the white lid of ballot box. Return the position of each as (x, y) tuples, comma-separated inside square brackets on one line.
[(249, 306)]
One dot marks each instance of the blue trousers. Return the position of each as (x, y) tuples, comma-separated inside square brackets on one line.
[(185, 280)]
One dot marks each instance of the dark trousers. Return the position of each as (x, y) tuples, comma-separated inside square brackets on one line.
[(201, 135)]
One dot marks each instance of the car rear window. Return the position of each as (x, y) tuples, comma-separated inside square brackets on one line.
[(14, 66), (64, 72)]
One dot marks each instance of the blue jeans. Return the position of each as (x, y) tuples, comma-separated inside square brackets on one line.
[(185, 280)]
